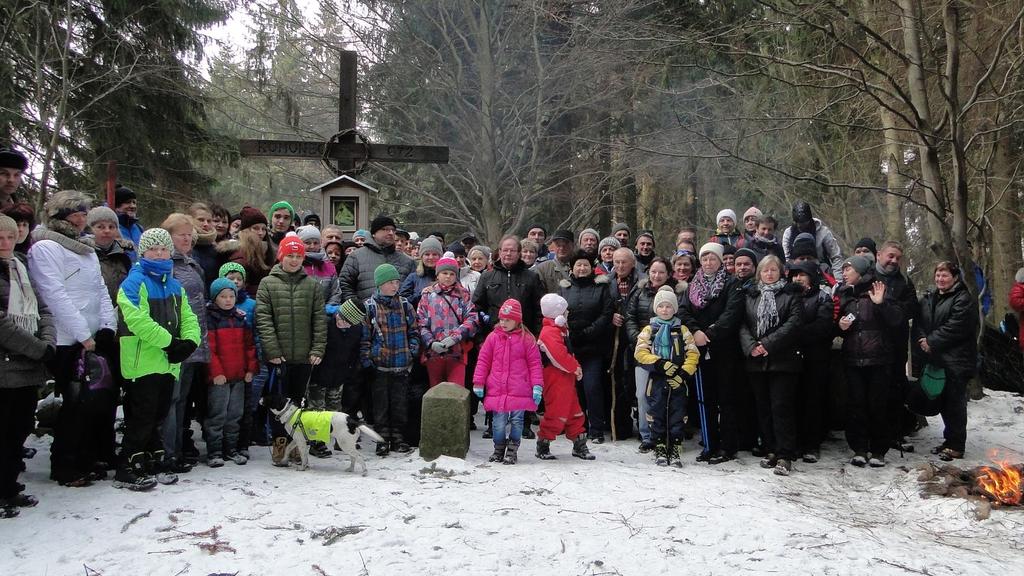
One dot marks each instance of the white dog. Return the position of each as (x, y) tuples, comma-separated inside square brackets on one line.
[(304, 426)]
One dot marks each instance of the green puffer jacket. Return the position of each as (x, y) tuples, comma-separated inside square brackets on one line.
[(290, 316)]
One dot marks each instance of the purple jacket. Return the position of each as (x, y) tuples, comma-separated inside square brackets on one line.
[(508, 368), (446, 313)]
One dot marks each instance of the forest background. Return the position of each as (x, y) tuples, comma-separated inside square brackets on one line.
[(895, 119)]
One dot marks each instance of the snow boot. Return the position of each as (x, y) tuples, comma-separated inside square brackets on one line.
[(511, 453), (720, 456), (499, 452), (160, 469), (21, 501), (544, 449), (319, 450), (673, 454), (859, 460), (661, 454), (769, 461), (579, 448), (238, 458), (877, 462), (214, 461), (132, 475), (783, 467), (383, 449), (277, 455), (646, 446), (8, 511), (811, 456)]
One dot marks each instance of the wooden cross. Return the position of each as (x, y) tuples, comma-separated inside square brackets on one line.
[(348, 148)]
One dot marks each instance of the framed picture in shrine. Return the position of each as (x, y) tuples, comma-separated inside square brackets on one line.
[(344, 211)]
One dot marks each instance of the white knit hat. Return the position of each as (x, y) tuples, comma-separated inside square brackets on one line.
[(554, 306), (725, 213), (666, 295), (715, 248)]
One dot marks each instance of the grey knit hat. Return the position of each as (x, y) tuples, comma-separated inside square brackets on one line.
[(100, 214), (620, 226), (485, 250), (609, 241), (153, 238), (859, 263), (431, 244), (588, 231), (308, 232)]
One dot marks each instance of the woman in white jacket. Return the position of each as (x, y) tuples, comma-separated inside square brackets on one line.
[(66, 273)]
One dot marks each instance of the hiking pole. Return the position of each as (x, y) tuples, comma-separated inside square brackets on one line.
[(668, 405), (611, 372), (699, 380)]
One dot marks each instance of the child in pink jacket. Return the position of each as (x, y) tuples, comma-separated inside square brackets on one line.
[(509, 366)]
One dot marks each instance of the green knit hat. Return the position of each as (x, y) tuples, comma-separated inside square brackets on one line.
[(154, 237), (231, 267), (277, 206), (384, 273)]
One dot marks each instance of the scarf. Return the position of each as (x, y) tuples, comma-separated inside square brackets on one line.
[(22, 306), (767, 311), (65, 234), (158, 269), (703, 289), (661, 344)]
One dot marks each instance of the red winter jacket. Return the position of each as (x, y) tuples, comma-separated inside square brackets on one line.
[(1017, 303), (232, 351)]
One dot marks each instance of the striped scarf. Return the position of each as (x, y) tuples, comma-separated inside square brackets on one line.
[(767, 311)]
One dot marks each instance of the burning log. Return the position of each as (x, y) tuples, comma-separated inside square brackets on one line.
[(987, 486)]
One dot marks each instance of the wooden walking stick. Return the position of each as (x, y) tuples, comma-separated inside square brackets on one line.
[(611, 371)]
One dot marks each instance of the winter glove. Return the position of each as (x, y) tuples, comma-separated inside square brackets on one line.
[(49, 354), (478, 391), (438, 347), (675, 382), (331, 309), (669, 368), (105, 339), (448, 342), (538, 393), (179, 350)]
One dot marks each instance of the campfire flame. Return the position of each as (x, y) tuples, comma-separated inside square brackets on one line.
[(1001, 484)]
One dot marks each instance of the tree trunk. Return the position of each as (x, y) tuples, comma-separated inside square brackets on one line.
[(490, 207), (931, 174), (1005, 222), (893, 157)]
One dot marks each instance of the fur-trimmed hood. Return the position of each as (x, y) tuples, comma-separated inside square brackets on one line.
[(595, 278)]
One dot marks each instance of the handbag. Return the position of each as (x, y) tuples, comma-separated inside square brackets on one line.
[(933, 381)]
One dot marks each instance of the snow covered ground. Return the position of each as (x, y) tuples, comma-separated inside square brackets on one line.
[(617, 515)]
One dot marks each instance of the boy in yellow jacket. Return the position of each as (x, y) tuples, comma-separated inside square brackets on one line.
[(665, 348)]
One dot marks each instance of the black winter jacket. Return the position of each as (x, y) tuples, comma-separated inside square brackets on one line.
[(590, 314), (499, 284), (950, 324), (782, 342), (719, 320), (901, 289), (871, 340), (640, 306), (816, 321)]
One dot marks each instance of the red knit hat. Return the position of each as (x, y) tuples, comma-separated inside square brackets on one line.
[(249, 217), (291, 244), (511, 310)]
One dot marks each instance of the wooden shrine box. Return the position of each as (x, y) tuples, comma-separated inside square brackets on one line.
[(345, 203)]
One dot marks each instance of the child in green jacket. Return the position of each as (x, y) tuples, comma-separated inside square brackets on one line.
[(292, 328), (161, 332)]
